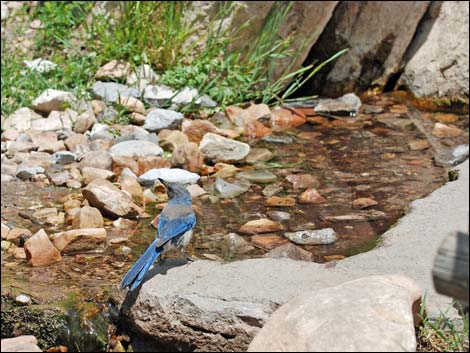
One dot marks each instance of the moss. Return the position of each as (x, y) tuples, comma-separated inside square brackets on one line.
[(44, 322)]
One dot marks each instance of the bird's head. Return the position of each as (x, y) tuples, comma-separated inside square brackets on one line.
[(176, 191)]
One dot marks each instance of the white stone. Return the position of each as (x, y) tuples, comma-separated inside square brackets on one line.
[(169, 174)]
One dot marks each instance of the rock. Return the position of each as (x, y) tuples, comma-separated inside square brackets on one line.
[(227, 190), (196, 129), (87, 217), (5, 245), (446, 118), (89, 174), (372, 109), (5, 231), (135, 149), (312, 237), (442, 130), (84, 122), (363, 202), (267, 241), (158, 95), (260, 226), (237, 244), (303, 181), (56, 121), (40, 251), (20, 119), (111, 91), (380, 318), (361, 216), (114, 70), (23, 299), (173, 175), (24, 172), (159, 119), (311, 196), (185, 96), (221, 149), (195, 190), (225, 170), (283, 119), (460, 153), (63, 157), (188, 157), (40, 65), (52, 99), (9, 168), (279, 216), (80, 240), (259, 155), (114, 203), (121, 162), (51, 146), (290, 251), (18, 146), (49, 215), (173, 140), (278, 139), (132, 186), (20, 343), (97, 159), (59, 179), (419, 145), (10, 134), (76, 139), (379, 36), (258, 176), (72, 203), (272, 189), (132, 104), (146, 163), (280, 201), (438, 66), (255, 129), (144, 73), (73, 184), (348, 104), (138, 119)]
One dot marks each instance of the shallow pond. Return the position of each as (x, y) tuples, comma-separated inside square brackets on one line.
[(362, 157)]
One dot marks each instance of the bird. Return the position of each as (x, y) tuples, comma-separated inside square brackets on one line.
[(175, 230)]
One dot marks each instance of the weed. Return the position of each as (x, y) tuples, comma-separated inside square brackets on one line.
[(442, 334)]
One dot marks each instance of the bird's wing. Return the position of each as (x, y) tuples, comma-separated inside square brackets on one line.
[(169, 228)]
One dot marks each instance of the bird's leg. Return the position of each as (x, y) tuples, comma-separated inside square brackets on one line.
[(188, 258), (161, 260)]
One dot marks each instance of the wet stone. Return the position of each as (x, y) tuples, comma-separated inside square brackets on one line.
[(303, 181), (290, 251), (228, 190), (268, 241), (237, 244), (280, 201), (260, 226), (257, 176), (313, 237), (363, 202), (259, 155), (361, 216), (279, 216), (272, 189)]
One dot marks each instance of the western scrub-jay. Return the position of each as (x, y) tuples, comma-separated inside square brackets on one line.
[(174, 230)]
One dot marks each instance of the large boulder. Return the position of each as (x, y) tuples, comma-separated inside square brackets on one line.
[(377, 35), (439, 62), (374, 313)]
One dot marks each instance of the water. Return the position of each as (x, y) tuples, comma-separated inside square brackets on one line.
[(364, 157)]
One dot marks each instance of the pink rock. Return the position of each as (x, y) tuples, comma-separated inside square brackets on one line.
[(40, 251)]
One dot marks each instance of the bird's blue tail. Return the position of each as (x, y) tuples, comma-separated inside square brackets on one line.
[(137, 272)]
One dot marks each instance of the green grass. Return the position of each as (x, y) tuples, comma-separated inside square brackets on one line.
[(442, 334), (80, 40)]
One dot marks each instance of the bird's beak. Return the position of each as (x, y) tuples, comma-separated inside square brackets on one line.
[(163, 182)]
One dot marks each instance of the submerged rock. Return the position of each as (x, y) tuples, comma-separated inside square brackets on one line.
[(290, 251), (258, 176), (228, 190), (312, 237)]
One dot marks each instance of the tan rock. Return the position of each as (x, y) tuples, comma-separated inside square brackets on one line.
[(85, 121), (311, 196), (260, 226), (188, 157), (173, 140), (137, 119), (132, 186), (419, 145), (196, 129), (446, 118), (255, 129), (80, 240), (40, 251), (87, 217), (121, 162), (98, 106), (290, 251), (16, 234), (145, 163), (268, 241), (132, 104), (280, 201), (283, 119), (76, 139), (89, 174), (303, 181), (72, 203), (363, 202), (114, 70), (442, 130), (5, 231), (114, 203), (70, 214)]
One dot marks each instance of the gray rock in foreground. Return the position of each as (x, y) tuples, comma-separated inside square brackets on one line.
[(371, 314)]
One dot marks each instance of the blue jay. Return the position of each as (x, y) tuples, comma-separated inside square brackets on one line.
[(174, 230)]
